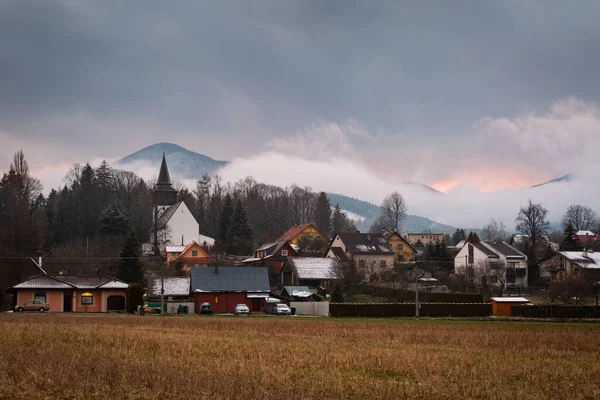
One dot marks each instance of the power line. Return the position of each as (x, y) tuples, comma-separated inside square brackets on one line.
[(82, 258)]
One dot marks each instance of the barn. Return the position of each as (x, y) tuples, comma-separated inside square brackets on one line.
[(225, 287)]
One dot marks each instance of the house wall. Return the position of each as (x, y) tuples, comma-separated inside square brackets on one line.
[(308, 232), (53, 297), (371, 259), (183, 223), (500, 309), (404, 254), (425, 238), (460, 262), (311, 307), (337, 242), (227, 301)]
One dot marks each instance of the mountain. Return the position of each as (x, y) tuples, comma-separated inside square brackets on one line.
[(564, 178), (420, 185), (370, 212), (183, 164)]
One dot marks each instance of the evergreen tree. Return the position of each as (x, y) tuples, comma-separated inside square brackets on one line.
[(240, 233), (130, 268), (225, 220), (336, 296), (473, 238), (457, 236), (571, 241), (135, 297), (114, 222), (323, 213)]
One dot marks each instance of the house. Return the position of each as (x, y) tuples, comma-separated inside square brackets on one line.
[(367, 249), (403, 249), (308, 271), (570, 264), (175, 223), (66, 293), (423, 238), (272, 255), (587, 238), (501, 305), (176, 292), (299, 293), (479, 260), (192, 255), (225, 287), (307, 236)]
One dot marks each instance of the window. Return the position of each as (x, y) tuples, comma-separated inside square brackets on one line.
[(87, 298), (361, 263), (510, 279), (194, 253), (382, 263), (41, 296), (284, 253), (173, 254), (471, 255), (512, 265), (400, 246), (216, 299)]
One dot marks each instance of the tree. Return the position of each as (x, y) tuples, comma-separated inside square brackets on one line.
[(350, 276), (457, 236), (473, 238), (570, 290), (491, 276), (571, 241), (581, 218), (341, 222), (393, 211), (532, 221), (225, 220), (240, 233), (323, 213), (114, 222), (494, 231), (336, 296), (130, 268), (135, 297)]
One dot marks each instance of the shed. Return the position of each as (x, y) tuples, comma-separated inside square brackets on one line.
[(501, 305)]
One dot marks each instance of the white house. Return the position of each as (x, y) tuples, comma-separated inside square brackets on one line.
[(485, 255), (176, 224)]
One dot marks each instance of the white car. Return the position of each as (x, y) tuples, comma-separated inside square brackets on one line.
[(241, 309), (282, 309)]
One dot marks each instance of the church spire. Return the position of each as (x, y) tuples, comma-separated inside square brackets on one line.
[(163, 177)]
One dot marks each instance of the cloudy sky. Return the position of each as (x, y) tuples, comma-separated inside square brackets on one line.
[(492, 95)]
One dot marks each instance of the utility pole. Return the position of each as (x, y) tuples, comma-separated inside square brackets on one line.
[(162, 287), (416, 293)]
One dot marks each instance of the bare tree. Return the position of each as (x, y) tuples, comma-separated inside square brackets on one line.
[(553, 267), (581, 218), (494, 231), (393, 211), (532, 221), (350, 275), (491, 276)]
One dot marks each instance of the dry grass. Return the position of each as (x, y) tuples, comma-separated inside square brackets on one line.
[(119, 356)]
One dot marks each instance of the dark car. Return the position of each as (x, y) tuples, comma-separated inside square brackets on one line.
[(205, 308)]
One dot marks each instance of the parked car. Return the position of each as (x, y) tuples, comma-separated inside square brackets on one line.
[(33, 305), (205, 308), (241, 309), (149, 310), (282, 309)]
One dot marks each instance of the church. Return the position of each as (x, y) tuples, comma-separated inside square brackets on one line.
[(175, 224)]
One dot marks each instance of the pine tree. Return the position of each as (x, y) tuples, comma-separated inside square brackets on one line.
[(336, 296), (135, 297), (571, 241), (114, 222), (240, 233), (473, 238), (130, 268), (457, 236), (323, 213), (225, 221)]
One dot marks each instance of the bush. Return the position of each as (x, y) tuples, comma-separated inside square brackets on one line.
[(135, 297)]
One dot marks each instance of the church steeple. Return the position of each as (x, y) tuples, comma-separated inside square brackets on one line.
[(164, 194)]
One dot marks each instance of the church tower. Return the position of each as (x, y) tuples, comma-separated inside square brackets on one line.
[(164, 195)]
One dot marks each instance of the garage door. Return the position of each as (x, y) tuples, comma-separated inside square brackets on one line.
[(115, 303)]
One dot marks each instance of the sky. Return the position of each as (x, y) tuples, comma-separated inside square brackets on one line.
[(472, 98)]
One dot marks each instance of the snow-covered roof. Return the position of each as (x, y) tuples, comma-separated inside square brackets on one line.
[(585, 233), (251, 259), (114, 284), (202, 239), (510, 299), (174, 286), (71, 282), (175, 249), (583, 259), (313, 267)]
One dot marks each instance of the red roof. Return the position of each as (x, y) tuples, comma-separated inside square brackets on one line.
[(295, 231), (587, 240)]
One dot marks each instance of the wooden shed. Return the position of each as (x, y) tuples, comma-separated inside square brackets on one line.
[(501, 305)]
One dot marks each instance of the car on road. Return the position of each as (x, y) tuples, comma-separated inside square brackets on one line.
[(281, 309), (241, 309), (205, 308), (33, 305)]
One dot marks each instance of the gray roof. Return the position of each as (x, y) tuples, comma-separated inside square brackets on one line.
[(366, 243), (230, 279), (165, 217), (71, 282), (505, 249), (490, 253), (313, 267), (174, 286), (339, 253)]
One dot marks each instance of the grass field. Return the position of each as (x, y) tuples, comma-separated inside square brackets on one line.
[(121, 356)]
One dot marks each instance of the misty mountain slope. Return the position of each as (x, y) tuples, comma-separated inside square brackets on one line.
[(183, 163), (564, 178), (370, 212)]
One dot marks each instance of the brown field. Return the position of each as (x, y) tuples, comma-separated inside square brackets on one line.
[(119, 356)]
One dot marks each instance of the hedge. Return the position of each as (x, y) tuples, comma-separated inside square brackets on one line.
[(555, 311), (408, 309), (428, 297)]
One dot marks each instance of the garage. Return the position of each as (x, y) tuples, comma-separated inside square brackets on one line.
[(115, 303)]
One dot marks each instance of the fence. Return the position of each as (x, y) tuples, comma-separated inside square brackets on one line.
[(555, 311), (408, 310), (428, 297), (311, 307)]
